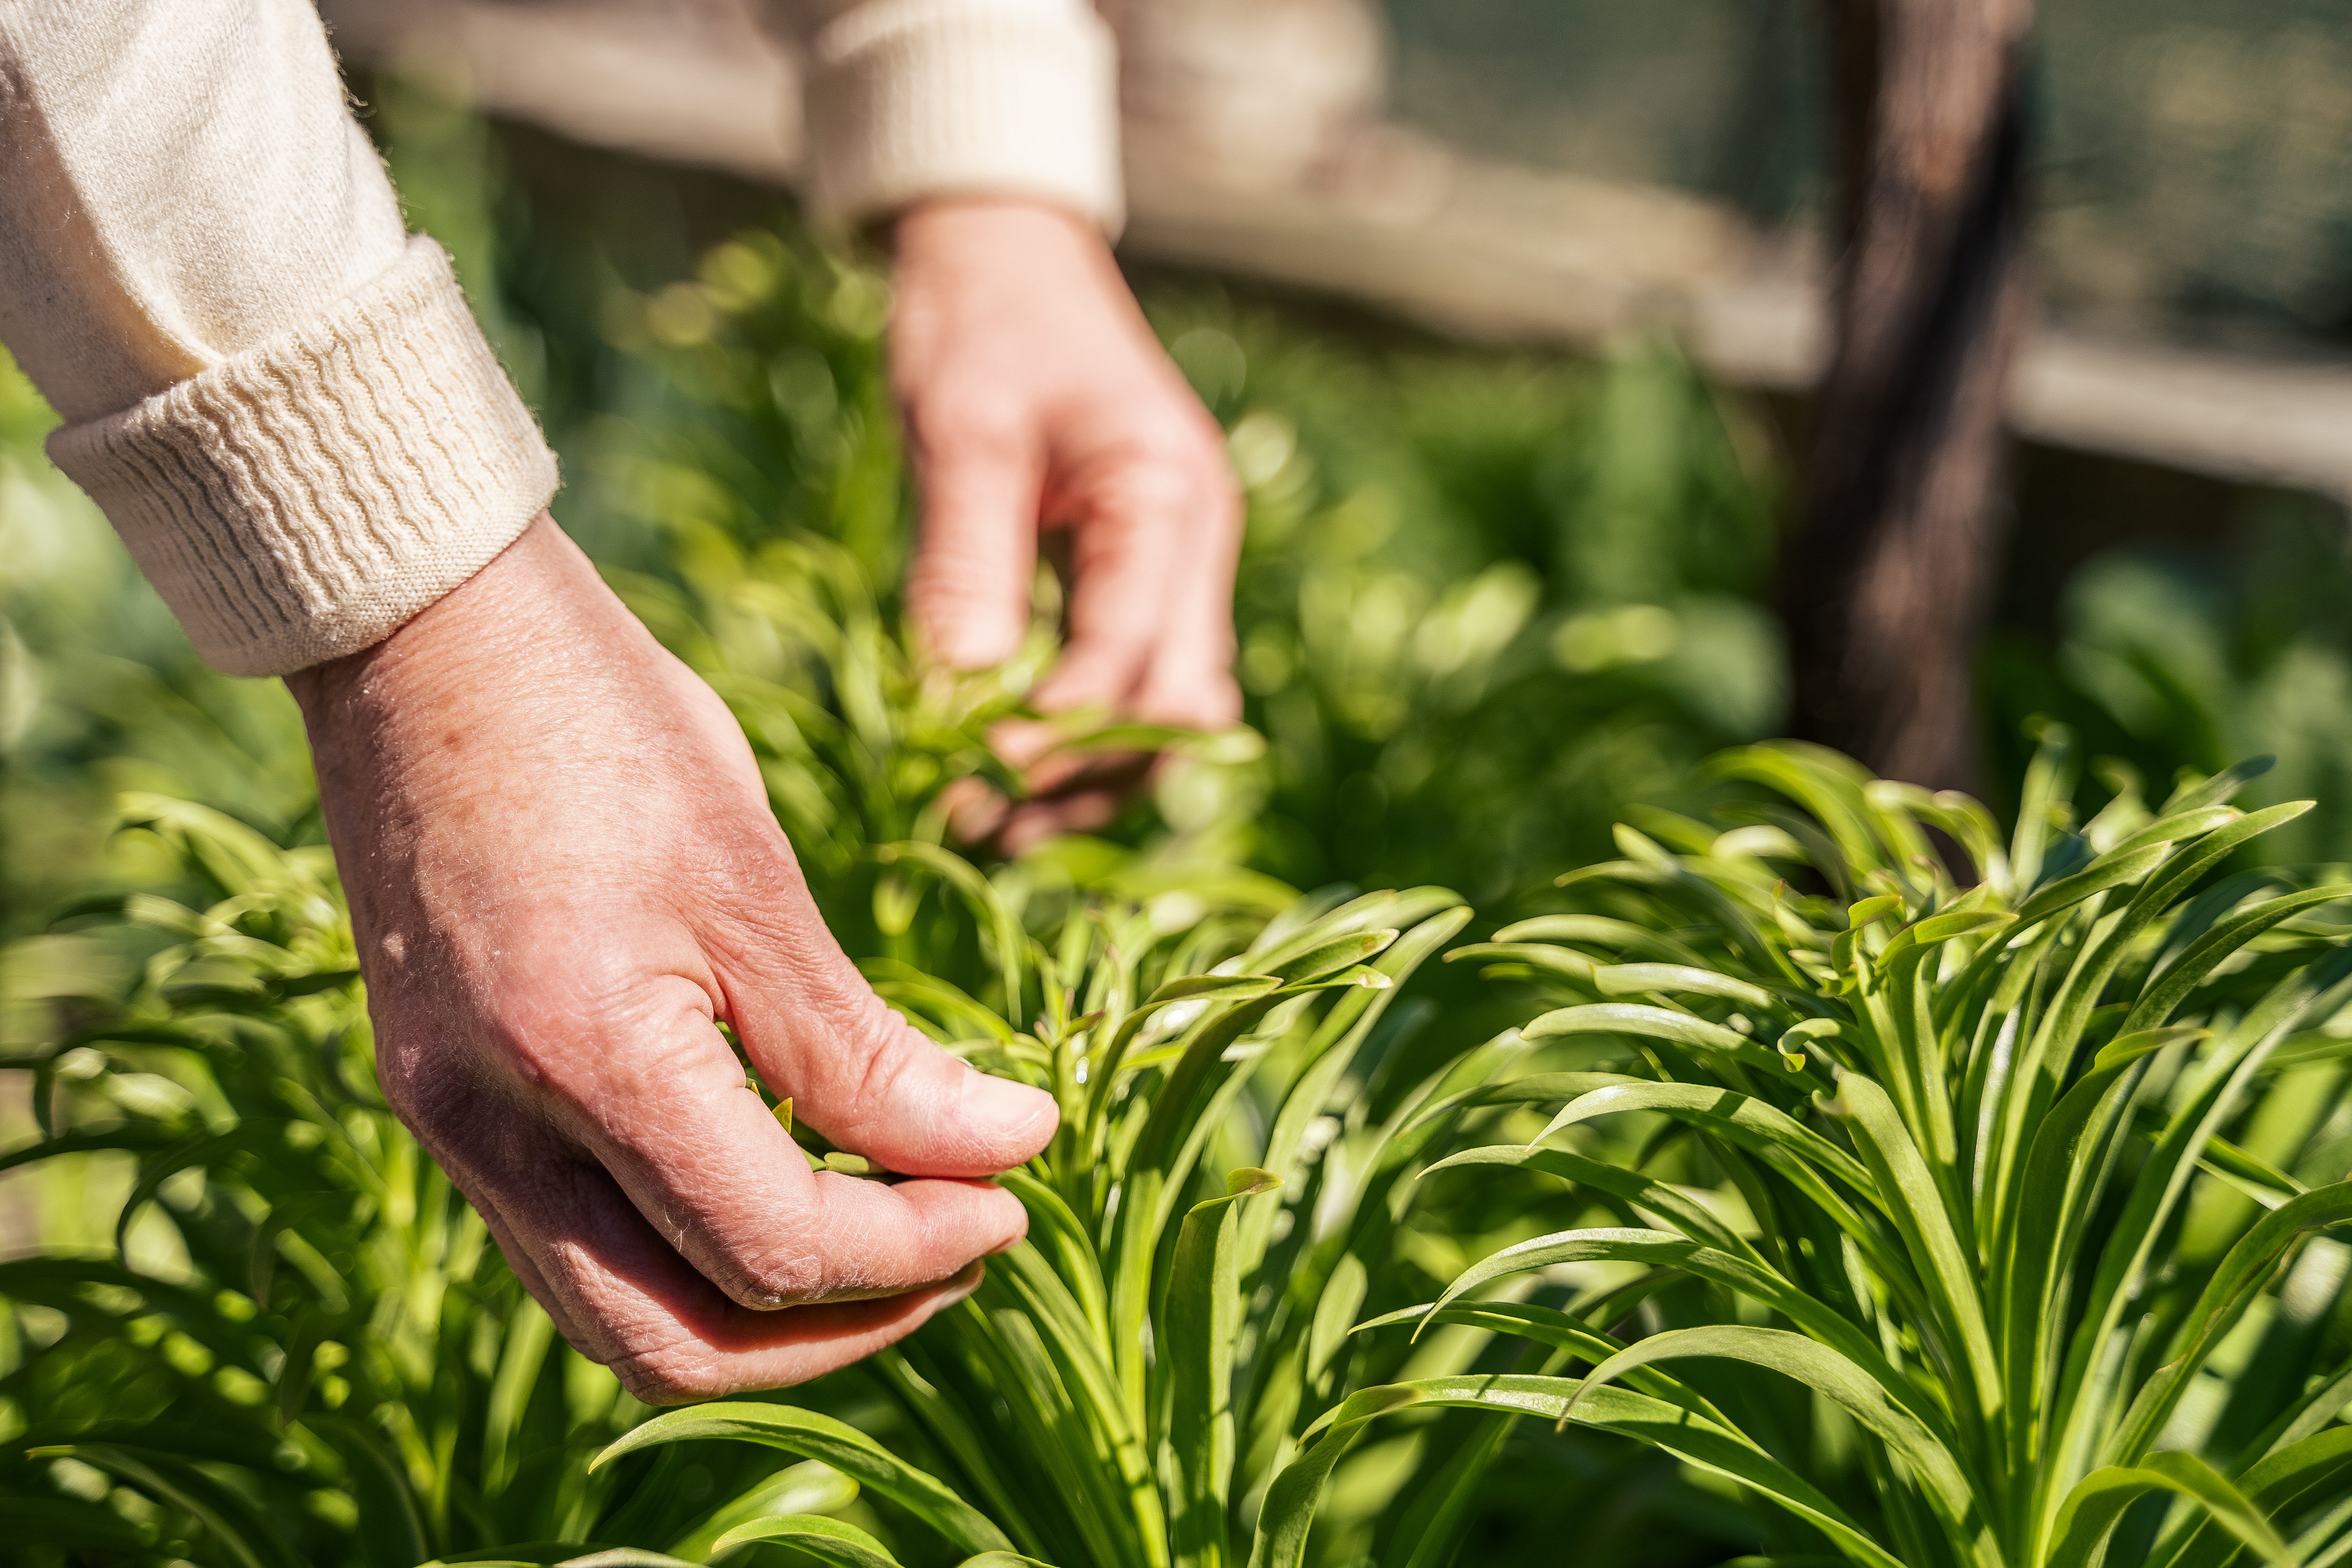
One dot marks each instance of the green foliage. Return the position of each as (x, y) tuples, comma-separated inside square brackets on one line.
[(99, 693), (1537, 574), (2024, 1183), (1487, 604), (2169, 656), (302, 1347)]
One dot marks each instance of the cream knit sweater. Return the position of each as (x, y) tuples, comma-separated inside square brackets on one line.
[(276, 393)]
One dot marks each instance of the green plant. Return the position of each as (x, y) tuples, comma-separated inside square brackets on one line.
[(2024, 1183), (265, 1326), (299, 1347), (302, 1348), (1129, 1379)]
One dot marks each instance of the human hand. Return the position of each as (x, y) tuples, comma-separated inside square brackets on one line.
[(1035, 395), (562, 869)]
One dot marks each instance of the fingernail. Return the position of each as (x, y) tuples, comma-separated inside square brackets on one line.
[(999, 1102), (963, 1283)]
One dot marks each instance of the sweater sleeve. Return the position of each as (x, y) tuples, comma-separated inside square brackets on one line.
[(277, 395), (908, 98)]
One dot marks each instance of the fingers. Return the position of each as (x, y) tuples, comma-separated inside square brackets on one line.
[(968, 590), (1129, 549), (1158, 532), (1072, 795), (861, 1075), (624, 1297), (1190, 680), (649, 1089)]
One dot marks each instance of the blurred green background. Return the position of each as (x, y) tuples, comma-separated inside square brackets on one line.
[(1490, 599)]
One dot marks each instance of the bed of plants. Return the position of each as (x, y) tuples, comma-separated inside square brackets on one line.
[(1968, 1218)]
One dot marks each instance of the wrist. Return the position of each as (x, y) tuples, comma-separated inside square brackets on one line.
[(956, 227), (502, 632)]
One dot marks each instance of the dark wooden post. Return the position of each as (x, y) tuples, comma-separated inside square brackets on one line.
[(1887, 576)]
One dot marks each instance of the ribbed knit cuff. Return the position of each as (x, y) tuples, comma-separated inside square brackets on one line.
[(908, 98), (301, 501)]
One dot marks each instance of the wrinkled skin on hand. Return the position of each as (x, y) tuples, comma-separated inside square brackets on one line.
[(1036, 398), (562, 869)]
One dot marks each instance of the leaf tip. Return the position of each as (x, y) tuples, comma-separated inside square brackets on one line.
[(1248, 1181)]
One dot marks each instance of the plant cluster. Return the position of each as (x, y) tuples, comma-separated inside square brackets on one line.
[(1969, 1220), (303, 1349), (2025, 1183)]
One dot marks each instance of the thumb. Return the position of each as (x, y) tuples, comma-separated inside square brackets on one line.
[(968, 590), (864, 1077)]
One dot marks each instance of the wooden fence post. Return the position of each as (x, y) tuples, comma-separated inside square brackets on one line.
[(1887, 577)]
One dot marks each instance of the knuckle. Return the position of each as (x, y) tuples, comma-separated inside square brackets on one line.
[(781, 1277), (1171, 472), (954, 422), (1179, 452), (957, 574), (884, 1045)]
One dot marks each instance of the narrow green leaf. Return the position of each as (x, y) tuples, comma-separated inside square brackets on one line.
[(809, 1487), (1057, 1233), (2080, 1409), (1945, 927), (2218, 787), (2194, 862), (1360, 976), (1646, 979), (228, 1518), (1652, 1022), (1747, 1120), (2179, 825), (1696, 1441), (1006, 943), (2231, 1289), (813, 1436), (1336, 955), (1816, 1366), (1284, 1520), (1916, 1207), (827, 1540), (135, 1138), (1209, 988), (1676, 1207), (1884, 906), (2168, 990), (1201, 1321), (1730, 1270), (1600, 931), (2314, 1470), (528, 1339), (1535, 1089), (1565, 961), (1549, 1326), (200, 1151), (2090, 1512), (2118, 867)]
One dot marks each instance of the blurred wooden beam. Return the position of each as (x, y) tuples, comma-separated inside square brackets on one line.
[(1484, 250), (1888, 573)]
